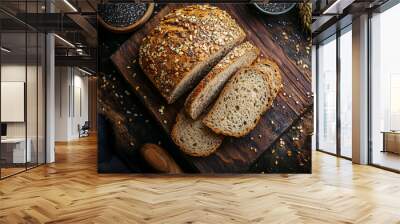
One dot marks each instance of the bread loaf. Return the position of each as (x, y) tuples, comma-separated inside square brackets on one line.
[(211, 85), (244, 99), (186, 44), (193, 137)]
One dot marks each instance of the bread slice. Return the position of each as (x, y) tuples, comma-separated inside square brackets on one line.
[(268, 66), (177, 53), (211, 85), (193, 137), (244, 99)]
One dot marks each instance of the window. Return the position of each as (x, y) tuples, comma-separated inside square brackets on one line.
[(385, 89), (335, 108), (22, 101), (327, 96), (346, 92)]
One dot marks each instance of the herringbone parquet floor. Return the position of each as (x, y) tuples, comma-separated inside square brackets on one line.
[(71, 191)]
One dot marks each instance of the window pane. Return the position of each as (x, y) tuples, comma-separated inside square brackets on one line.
[(346, 94), (31, 97), (15, 150), (327, 96), (385, 89)]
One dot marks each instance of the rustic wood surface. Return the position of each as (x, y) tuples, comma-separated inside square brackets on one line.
[(235, 155)]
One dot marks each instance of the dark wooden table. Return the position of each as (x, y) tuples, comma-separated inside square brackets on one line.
[(288, 40)]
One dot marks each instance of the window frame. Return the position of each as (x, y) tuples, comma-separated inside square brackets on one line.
[(338, 34), (381, 9)]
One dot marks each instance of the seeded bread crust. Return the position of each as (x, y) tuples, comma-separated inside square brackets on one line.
[(193, 137), (272, 79), (181, 46), (201, 97)]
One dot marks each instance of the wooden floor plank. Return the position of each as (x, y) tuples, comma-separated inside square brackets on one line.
[(71, 191)]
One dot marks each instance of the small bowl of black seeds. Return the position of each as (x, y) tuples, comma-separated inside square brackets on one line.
[(123, 17), (274, 8)]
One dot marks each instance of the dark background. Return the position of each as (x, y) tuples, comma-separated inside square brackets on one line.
[(290, 154)]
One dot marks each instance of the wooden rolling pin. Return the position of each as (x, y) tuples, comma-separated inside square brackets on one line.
[(159, 159)]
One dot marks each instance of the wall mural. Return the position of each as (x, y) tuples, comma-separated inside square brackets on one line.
[(199, 88)]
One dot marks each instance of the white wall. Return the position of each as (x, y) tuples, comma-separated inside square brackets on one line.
[(71, 102), (10, 73), (62, 81), (360, 90), (50, 95), (33, 127), (16, 72)]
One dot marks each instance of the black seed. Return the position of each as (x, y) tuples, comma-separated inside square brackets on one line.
[(121, 14)]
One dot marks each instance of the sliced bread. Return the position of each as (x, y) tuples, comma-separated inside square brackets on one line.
[(268, 66), (211, 85), (244, 99), (193, 137)]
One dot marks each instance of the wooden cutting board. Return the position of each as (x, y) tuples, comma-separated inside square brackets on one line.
[(235, 154)]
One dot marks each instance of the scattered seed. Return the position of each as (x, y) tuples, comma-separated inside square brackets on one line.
[(281, 142)]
